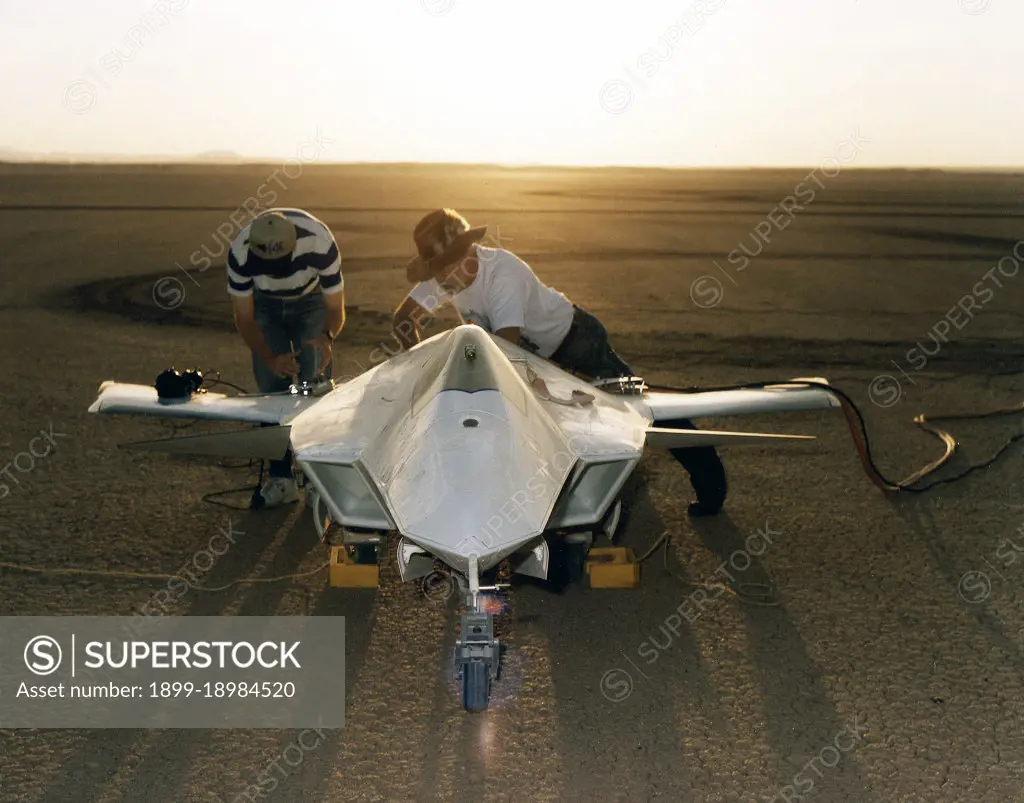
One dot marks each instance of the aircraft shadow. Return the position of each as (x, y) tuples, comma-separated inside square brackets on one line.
[(602, 674)]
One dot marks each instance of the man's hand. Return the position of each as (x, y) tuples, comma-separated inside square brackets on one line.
[(284, 365), (406, 322), (324, 347)]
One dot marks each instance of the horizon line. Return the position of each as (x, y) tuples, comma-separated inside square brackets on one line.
[(256, 161)]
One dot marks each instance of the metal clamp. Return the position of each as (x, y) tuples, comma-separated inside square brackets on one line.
[(315, 388), (623, 385)]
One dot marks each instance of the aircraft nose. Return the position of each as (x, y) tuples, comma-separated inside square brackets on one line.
[(477, 481)]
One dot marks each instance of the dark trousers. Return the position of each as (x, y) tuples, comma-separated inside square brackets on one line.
[(286, 325), (586, 350)]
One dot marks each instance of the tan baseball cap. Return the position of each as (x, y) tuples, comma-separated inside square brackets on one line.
[(272, 235)]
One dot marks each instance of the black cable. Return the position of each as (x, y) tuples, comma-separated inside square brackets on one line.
[(255, 499), (970, 469), (174, 426), (861, 438), (229, 384)]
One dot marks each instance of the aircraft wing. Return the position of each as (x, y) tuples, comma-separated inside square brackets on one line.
[(273, 408), (789, 397)]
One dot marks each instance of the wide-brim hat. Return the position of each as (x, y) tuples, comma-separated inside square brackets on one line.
[(444, 236)]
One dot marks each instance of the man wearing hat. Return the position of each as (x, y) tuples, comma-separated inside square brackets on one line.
[(275, 266), (498, 291)]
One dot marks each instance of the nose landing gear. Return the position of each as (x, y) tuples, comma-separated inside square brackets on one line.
[(477, 652)]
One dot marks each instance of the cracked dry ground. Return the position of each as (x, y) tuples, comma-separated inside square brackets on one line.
[(882, 676)]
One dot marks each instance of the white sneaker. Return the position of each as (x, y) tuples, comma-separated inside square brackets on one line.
[(279, 491)]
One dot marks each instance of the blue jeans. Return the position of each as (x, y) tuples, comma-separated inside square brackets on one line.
[(586, 349), (286, 326)]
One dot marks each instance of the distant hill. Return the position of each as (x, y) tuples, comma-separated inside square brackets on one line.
[(226, 157), (218, 156), (208, 157), (12, 155)]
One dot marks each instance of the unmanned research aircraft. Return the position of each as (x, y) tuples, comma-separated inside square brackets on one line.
[(473, 450)]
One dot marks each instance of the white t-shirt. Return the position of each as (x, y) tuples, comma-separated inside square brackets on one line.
[(505, 293)]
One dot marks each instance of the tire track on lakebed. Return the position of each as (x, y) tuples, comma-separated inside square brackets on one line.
[(208, 307)]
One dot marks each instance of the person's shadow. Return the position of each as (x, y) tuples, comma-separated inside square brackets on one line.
[(789, 679), (742, 572)]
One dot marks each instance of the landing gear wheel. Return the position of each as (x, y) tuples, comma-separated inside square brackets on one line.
[(576, 562), (568, 563), (477, 657), (476, 687)]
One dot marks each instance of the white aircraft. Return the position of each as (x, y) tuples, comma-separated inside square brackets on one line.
[(473, 450)]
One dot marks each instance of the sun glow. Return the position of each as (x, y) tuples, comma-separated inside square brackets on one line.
[(669, 82)]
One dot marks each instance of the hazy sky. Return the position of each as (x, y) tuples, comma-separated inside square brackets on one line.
[(718, 82)]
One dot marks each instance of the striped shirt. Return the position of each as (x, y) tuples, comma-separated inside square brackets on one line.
[(315, 261)]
